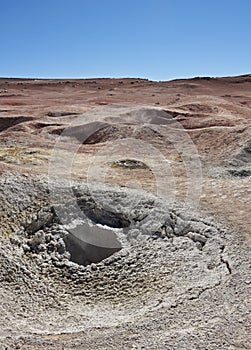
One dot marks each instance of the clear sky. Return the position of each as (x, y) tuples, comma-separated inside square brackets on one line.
[(155, 39)]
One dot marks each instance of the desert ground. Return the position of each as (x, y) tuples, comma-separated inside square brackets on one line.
[(125, 213)]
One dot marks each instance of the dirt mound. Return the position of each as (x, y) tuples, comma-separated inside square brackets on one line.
[(243, 156), (132, 124), (199, 108), (84, 131), (148, 116), (109, 133)]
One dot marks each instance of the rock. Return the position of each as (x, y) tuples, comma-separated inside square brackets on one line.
[(94, 267), (196, 237), (26, 248), (181, 227), (61, 246)]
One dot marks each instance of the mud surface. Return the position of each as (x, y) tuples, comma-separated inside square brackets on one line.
[(125, 214)]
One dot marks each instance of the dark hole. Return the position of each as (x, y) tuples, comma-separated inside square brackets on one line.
[(90, 244)]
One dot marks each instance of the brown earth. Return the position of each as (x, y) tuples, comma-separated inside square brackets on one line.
[(216, 112)]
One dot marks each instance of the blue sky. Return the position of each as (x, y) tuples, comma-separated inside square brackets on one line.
[(155, 39)]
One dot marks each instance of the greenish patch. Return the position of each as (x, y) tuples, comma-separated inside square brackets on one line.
[(21, 156)]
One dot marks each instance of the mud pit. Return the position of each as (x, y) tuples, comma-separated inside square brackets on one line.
[(172, 265)]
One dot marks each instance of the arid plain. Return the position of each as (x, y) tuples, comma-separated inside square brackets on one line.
[(166, 166)]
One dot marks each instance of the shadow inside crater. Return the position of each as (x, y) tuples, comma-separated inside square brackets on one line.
[(90, 244)]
